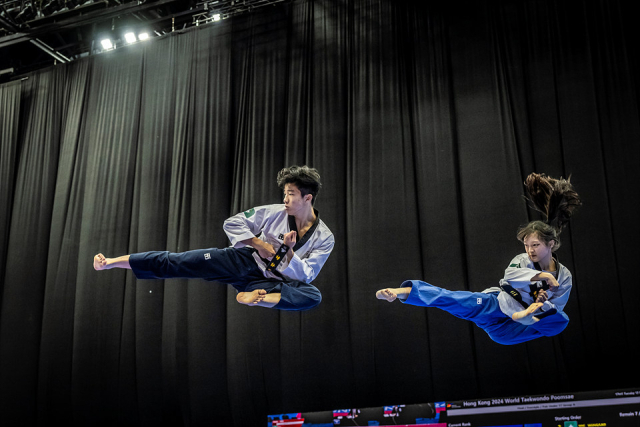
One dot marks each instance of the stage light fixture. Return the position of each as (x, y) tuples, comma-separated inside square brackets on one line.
[(217, 17), (143, 36), (106, 44), (130, 37)]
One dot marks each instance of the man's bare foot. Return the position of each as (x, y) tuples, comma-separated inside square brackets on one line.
[(387, 294), (99, 262), (250, 298)]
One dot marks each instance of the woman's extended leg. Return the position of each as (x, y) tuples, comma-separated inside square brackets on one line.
[(482, 309), (463, 304)]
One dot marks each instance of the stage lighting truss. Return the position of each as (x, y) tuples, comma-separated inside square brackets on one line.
[(68, 29), (27, 13), (216, 10), (206, 17)]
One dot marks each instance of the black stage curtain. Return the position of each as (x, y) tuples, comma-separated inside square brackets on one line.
[(423, 120), (9, 120)]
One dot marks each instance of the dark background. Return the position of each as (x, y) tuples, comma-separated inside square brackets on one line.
[(423, 121)]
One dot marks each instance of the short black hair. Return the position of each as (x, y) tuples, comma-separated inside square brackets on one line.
[(305, 178)]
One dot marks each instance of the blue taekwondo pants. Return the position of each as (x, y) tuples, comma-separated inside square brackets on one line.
[(483, 310), (235, 267)]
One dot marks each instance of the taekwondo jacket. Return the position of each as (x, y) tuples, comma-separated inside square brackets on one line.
[(521, 269), (270, 223)]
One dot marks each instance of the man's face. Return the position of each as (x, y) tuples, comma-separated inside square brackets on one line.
[(293, 200), (537, 250)]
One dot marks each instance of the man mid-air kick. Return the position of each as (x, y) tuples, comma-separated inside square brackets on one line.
[(276, 250)]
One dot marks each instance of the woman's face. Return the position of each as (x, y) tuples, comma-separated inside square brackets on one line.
[(537, 249)]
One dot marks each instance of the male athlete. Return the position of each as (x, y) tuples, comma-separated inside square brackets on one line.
[(276, 250)]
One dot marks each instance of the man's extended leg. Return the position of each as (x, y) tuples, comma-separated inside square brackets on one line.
[(100, 262), (224, 265), (232, 266)]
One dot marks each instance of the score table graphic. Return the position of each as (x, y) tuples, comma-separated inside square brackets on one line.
[(609, 408)]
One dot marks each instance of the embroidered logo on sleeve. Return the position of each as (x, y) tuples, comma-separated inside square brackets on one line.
[(249, 213), (514, 265), (207, 256), (479, 300)]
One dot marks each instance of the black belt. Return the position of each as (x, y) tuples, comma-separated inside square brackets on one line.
[(533, 291), (277, 258), (516, 295)]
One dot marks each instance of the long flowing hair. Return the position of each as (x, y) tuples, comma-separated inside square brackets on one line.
[(556, 199)]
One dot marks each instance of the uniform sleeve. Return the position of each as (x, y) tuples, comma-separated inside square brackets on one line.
[(560, 297), (246, 225), (518, 274), (307, 269)]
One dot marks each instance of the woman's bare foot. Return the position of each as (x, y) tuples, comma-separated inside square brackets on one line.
[(528, 312), (253, 297), (387, 294), (391, 294), (99, 262)]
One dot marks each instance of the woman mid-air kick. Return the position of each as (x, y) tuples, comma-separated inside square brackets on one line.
[(531, 297)]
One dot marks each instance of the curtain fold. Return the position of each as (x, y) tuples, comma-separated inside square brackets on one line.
[(42, 104), (64, 257), (423, 121), (10, 97)]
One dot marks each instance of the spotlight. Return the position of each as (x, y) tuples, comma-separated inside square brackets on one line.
[(217, 17), (130, 38), (143, 36), (106, 44)]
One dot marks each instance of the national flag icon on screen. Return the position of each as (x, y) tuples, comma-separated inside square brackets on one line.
[(441, 407), (341, 412), (287, 420), (388, 410)]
